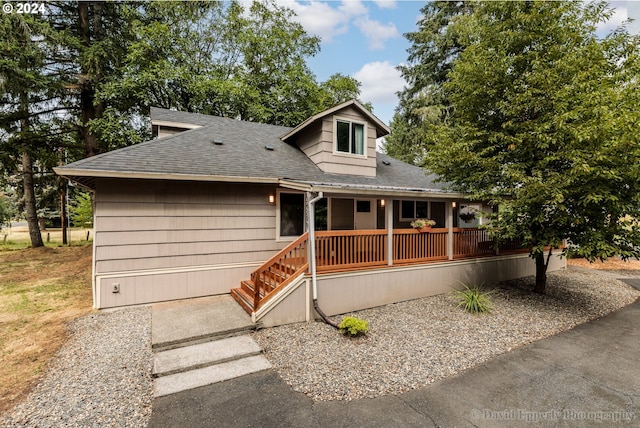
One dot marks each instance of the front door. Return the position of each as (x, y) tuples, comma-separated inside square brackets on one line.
[(365, 214)]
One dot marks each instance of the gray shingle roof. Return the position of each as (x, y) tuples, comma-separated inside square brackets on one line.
[(242, 155), (181, 117)]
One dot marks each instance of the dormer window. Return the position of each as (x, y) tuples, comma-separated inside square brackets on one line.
[(350, 137)]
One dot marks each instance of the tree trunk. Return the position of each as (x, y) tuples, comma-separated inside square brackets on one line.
[(89, 109), (30, 201), (541, 274)]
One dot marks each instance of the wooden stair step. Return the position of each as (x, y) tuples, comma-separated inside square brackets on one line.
[(244, 299), (248, 286)]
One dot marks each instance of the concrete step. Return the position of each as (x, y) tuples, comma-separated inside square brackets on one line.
[(188, 322), (178, 382), (204, 354)]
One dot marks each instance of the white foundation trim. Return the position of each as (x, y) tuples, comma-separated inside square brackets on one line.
[(282, 294)]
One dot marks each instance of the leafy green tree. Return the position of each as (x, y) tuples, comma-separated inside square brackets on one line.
[(81, 210), (5, 210), (235, 60), (423, 103), (544, 125)]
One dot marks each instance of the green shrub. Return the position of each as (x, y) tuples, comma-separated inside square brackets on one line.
[(351, 326), (474, 300)]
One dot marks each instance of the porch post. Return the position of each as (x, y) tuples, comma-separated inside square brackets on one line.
[(388, 212), (450, 230)]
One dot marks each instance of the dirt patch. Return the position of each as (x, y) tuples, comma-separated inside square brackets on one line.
[(613, 263), (40, 291)]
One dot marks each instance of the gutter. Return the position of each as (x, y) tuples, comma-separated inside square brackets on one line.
[(367, 189), (312, 262)]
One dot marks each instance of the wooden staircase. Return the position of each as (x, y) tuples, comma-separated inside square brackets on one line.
[(274, 275)]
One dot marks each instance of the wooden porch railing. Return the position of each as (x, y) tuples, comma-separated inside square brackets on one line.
[(472, 242), (279, 270), (411, 246), (338, 250), (347, 250)]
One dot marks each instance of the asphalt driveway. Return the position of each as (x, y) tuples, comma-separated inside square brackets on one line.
[(587, 376)]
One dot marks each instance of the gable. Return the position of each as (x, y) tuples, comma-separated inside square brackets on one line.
[(341, 140)]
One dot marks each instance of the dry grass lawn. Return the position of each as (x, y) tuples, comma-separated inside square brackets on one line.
[(40, 291), (613, 263)]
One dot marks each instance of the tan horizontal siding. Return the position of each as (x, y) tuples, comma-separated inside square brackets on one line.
[(180, 249), (127, 265), (107, 224), (144, 209), (175, 236), (115, 190), (142, 225)]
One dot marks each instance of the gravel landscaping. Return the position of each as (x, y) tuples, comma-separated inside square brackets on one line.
[(412, 344), (100, 377)]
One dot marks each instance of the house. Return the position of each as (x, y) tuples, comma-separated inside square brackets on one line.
[(216, 205)]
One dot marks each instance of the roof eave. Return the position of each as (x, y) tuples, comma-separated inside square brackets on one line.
[(369, 190), (173, 124), (71, 172)]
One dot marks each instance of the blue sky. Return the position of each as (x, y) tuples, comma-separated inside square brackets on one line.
[(364, 39)]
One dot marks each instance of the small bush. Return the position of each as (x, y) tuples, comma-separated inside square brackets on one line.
[(351, 326), (474, 300)]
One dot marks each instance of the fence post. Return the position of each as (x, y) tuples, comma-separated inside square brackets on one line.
[(450, 231), (389, 220)]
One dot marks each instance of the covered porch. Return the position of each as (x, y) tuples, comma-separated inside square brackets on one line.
[(387, 244)]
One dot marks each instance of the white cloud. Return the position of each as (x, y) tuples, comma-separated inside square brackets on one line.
[(616, 20), (380, 82), (353, 8), (376, 32), (385, 4), (319, 18), (633, 12), (322, 20)]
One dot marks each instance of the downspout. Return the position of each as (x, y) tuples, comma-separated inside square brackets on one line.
[(312, 263)]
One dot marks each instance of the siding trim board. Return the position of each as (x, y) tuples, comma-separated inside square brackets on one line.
[(177, 270), (142, 287)]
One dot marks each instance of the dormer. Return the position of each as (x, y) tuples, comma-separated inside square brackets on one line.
[(165, 123), (341, 140)]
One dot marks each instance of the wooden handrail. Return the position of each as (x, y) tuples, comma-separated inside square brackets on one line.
[(412, 246), (275, 273), (339, 250)]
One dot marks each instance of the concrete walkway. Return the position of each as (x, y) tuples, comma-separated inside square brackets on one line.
[(588, 376), (174, 324), (200, 342)]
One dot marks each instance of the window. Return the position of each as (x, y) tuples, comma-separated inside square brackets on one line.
[(363, 206), (321, 214), (350, 137), (291, 214), (410, 210)]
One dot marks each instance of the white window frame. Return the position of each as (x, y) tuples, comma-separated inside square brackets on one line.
[(350, 121)]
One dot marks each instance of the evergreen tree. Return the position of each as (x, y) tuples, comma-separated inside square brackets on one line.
[(543, 125), (423, 102)]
